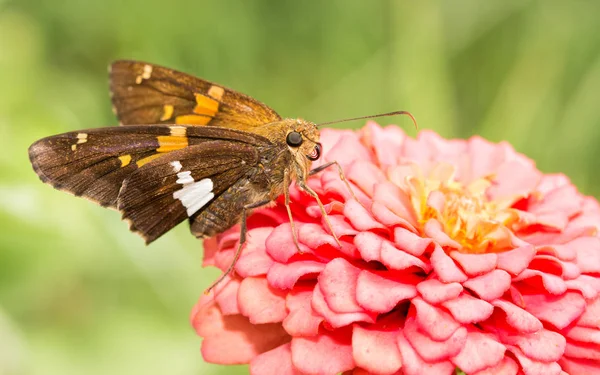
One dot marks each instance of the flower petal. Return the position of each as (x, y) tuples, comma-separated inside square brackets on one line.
[(436, 323), (435, 291), (530, 366), (277, 361), (491, 285), (506, 367), (260, 302), (334, 319), (413, 364), (475, 264), (480, 352), (432, 350), (232, 339), (557, 310), (302, 320), (518, 318), (411, 242), (516, 260), (285, 276), (467, 309), (326, 353), (359, 217), (445, 268), (374, 349), (396, 259), (381, 291)]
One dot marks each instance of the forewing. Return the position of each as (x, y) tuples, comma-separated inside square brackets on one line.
[(182, 184), (144, 93), (94, 163)]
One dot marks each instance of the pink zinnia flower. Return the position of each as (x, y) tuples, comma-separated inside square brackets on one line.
[(460, 255)]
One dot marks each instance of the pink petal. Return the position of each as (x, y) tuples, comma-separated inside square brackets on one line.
[(232, 339), (336, 320), (226, 295), (369, 245), (506, 367), (374, 349), (302, 320), (590, 316), (396, 259), (588, 254), (445, 268), (435, 291), (436, 323), (589, 286), (388, 218), (514, 179), (256, 263), (518, 318), (434, 229), (274, 362), (340, 151), (516, 260), (491, 285), (412, 364), (584, 334), (396, 200), (531, 367), (338, 285), (431, 350), (480, 352), (314, 236), (557, 310), (411, 242), (467, 309), (285, 276), (359, 217), (365, 174), (580, 366), (582, 351), (260, 302), (552, 283), (326, 353), (280, 244), (475, 264), (485, 157), (543, 346), (385, 143), (380, 292)]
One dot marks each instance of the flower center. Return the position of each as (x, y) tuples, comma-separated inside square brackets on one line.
[(463, 212)]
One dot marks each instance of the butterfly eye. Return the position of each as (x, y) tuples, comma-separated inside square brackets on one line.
[(294, 139), (316, 154)]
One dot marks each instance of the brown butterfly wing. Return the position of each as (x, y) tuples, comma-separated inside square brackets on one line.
[(144, 93)]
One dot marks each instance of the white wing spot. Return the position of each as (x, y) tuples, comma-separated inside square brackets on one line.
[(193, 195), (185, 178), (81, 137), (176, 166), (147, 72)]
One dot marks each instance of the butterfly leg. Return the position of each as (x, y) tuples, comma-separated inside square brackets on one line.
[(340, 171), (238, 252), (313, 194), (286, 193)]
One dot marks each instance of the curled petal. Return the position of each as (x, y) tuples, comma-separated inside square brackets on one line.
[(467, 309), (518, 318), (302, 320), (359, 217), (445, 268), (506, 367), (476, 264), (375, 292), (337, 282), (411, 242), (435, 291), (491, 285), (334, 319), (397, 259), (285, 276), (535, 367), (516, 260)]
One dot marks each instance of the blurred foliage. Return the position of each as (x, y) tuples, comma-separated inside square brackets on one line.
[(80, 294)]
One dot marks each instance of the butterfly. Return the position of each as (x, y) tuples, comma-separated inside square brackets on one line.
[(187, 149)]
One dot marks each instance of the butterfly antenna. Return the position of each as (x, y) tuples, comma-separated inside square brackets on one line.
[(374, 116)]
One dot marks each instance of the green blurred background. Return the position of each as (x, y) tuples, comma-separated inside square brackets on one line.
[(79, 294)]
